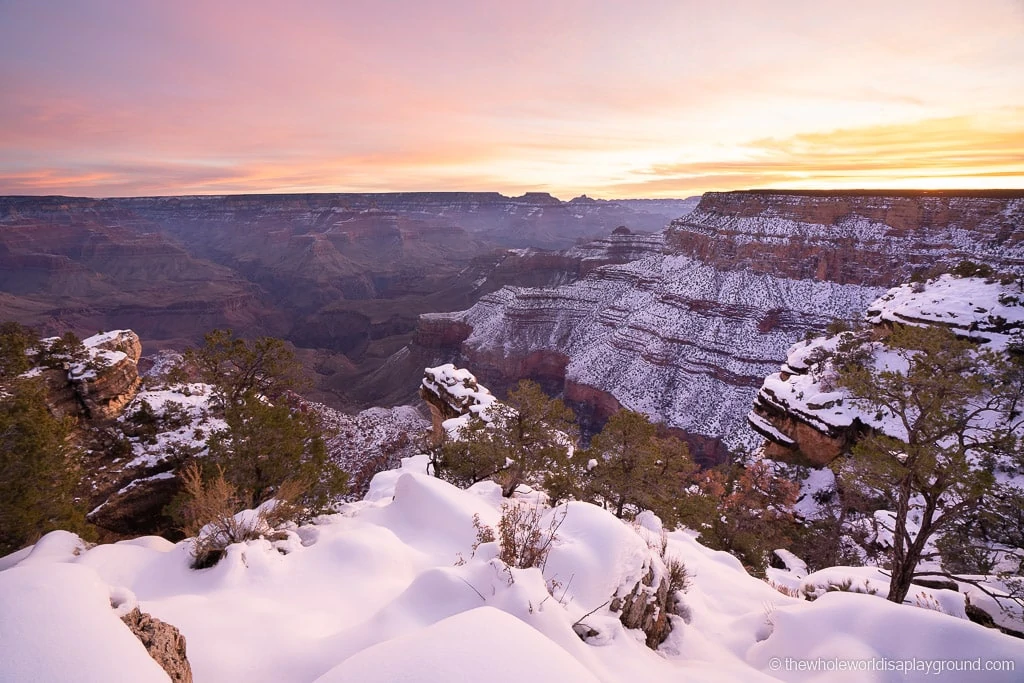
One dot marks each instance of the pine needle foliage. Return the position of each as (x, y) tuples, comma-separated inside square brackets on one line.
[(39, 468)]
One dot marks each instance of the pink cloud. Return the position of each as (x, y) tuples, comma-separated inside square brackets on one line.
[(175, 97)]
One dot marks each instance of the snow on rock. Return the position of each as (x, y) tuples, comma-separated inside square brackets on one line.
[(187, 421), (984, 310), (111, 339), (58, 625)]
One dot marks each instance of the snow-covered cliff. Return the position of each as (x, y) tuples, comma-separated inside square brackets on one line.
[(686, 334), (804, 417)]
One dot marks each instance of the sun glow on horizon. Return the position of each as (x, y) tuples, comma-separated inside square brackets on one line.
[(646, 100)]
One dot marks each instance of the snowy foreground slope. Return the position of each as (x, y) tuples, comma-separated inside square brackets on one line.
[(377, 593)]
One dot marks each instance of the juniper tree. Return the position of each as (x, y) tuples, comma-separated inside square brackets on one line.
[(15, 342), (267, 444), (237, 367), (528, 436), (39, 468), (945, 405), (637, 467), (269, 440)]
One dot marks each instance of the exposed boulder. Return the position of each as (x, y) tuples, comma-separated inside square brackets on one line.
[(648, 607), (100, 383), (163, 642)]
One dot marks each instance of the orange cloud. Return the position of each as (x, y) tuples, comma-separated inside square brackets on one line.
[(652, 98), (948, 152)]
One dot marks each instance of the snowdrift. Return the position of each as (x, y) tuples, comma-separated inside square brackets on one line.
[(378, 593)]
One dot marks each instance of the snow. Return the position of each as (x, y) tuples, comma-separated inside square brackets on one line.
[(597, 552), (58, 626), (391, 589), (462, 645), (848, 626), (794, 565), (977, 308), (105, 338)]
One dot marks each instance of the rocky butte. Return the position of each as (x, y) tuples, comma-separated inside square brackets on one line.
[(685, 327)]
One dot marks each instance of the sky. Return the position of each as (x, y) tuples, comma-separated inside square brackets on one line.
[(647, 98)]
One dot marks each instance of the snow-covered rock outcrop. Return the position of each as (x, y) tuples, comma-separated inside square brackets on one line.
[(804, 419), (98, 383), (453, 396)]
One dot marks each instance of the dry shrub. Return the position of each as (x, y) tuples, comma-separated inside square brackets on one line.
[(678, 576), (209, 514), (524, 542), (786, 590), (484, 533)]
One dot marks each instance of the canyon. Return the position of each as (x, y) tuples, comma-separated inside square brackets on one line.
[(686, 329), (342, 276), (674, 308)]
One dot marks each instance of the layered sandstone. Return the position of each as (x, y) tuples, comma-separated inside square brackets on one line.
[(864, 238), (100, 383), (686, 334)]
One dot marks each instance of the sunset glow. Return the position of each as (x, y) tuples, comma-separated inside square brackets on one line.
[(648, 98)]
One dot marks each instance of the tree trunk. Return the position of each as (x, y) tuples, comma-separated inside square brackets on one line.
[(903, 574), (902, 567), (899, 584)]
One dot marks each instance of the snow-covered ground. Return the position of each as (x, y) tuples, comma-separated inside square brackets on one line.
[(378, 593)]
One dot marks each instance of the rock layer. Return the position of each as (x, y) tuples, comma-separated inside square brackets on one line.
[(686, 332), (342, 275)]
